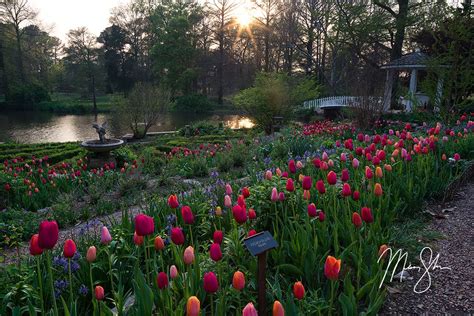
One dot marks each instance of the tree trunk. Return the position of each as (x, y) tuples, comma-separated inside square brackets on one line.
[(400, 22), (19, 55), (93, 92), (220, 70), (4, 72)]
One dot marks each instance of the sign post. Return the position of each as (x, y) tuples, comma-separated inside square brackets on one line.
[(258, 245)]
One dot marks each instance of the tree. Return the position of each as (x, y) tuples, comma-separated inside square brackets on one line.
[(175, 51), (113, 40), (82, 52), (17, 13), (144, 106), (221, 10), (269, 97)]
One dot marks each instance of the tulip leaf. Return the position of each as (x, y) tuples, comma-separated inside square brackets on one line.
[(290, 269)]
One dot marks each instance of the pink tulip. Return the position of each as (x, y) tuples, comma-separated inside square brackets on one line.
[(105, 237), (274, 195)]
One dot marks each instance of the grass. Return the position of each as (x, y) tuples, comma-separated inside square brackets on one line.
[(73, 103)]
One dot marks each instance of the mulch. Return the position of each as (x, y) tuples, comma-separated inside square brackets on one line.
[(451, 291)]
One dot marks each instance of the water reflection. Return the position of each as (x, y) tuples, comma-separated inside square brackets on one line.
[(33, 127)]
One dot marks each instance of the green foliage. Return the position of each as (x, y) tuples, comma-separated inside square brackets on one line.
[(196, 103), (202, 128), (224, 162)]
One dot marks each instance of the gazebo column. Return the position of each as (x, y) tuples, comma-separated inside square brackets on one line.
[(439, 93), (413, 75), (387, 98)]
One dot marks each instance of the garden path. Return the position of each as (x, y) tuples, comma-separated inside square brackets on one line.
[(451, 290)]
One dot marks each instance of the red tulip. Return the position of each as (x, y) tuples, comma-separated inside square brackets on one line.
[(162, 280), (345, 175), (238, 281), (249, 310), (252, 214), (290, 186), (177, 236), (281, 196), (218, 236), (457, 156), (245, 192), (215, 252), (251, 233), (378, 189), (159, 243), (366, 215), (307, 183), (187, 215), (320, 187), (278, 309), (356, 220), (240, 214), (332, 178), (241, 201), (210, 282), (99, 293), (298, 290), (356, 195), (368, 172), (312, 210), (346, 190), (35, 249), (8, 187), (48, 234), (137, 239), (173, 201), (321, 216), (332, 266), (69, 248), (292, 166), (144, 225)]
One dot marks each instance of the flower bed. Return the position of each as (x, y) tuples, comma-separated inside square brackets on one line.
[(331, 212)]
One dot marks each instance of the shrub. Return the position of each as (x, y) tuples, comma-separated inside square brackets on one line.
[(239, 155), (124, 154), (153, 160), (196, 103), (224, 162)]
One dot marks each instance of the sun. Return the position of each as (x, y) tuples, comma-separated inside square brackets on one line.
[(243, 16)]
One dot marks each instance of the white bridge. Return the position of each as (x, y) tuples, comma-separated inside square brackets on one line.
[(335, 102)]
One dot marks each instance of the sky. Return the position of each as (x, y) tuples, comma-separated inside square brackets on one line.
[(59, 16)]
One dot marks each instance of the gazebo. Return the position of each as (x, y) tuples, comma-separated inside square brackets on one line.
[(412, 62)]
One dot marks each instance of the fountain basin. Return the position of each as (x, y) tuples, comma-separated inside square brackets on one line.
[(97, 146)]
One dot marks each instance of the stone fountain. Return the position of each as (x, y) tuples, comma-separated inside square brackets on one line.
[(100, 149)]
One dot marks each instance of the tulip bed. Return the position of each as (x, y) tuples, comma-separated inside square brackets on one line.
[(331, 206)]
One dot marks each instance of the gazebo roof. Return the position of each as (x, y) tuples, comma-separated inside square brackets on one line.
[(412, 60)]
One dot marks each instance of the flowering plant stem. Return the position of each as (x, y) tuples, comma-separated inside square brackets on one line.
[(70, 283), (40, 283), (50, 272), (145, 253), (333, 283)]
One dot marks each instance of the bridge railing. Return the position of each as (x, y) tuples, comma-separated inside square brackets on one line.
[(335, 101)]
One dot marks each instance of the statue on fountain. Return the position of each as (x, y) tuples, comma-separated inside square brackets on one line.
[(100, 129)]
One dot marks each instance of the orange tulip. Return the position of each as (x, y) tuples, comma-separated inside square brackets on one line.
[(378, 172), (278, 309), (193, 307), (238, 281), (332, 267), (378, 189), (159, 243), (383, 251)]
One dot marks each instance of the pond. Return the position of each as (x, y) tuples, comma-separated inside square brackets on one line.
[(42, 127)]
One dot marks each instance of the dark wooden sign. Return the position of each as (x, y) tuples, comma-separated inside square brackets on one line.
[(259, 243)]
